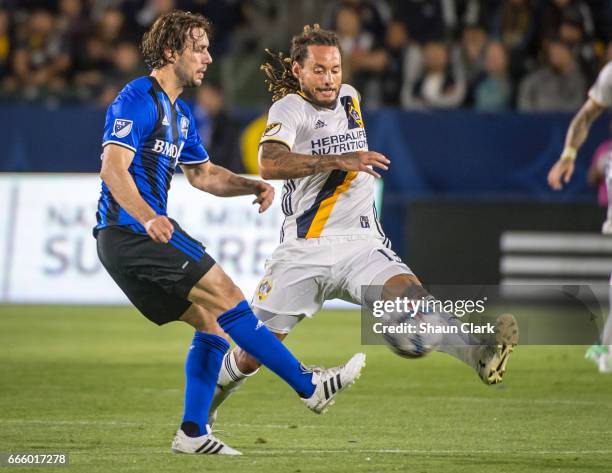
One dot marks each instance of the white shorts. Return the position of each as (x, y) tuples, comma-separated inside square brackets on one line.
[(302, 274)]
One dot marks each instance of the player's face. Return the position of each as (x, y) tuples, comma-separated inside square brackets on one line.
[(321, 75), (191, 64)]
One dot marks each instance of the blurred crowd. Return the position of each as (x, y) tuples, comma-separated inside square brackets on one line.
[(84, 50), (490, 55)]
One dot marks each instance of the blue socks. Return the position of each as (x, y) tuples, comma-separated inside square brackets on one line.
[(201, 369), (253, 337), (206, 355)]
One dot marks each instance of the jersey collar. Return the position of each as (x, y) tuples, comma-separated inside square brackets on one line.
[(158, 88)]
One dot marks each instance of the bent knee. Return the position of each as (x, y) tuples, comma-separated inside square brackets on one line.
[(203, 321), (403, 285), (216, 291)]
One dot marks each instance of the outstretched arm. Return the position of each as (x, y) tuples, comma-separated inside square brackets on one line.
[(217, 180), (577, 133), (276, 161)]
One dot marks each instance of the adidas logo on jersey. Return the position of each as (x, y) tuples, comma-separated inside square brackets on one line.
[(165, 121), (319, 124)]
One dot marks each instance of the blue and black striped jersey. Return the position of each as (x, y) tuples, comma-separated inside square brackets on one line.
[(161, 134)]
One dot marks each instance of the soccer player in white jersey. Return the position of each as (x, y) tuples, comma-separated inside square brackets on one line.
[(332, 243), (600, 98)]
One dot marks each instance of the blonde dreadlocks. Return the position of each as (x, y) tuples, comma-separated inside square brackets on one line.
[(280, 79)]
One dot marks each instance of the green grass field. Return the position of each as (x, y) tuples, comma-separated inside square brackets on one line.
[(105, 385)]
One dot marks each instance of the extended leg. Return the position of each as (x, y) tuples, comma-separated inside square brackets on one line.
[(217, 292), (489, 360)]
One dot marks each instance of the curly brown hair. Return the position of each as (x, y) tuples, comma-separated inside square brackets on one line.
[(171, 31), (280, 79)]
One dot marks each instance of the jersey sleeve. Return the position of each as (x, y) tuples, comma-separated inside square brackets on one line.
[(601, 91), (129, 120), (282, 123), (352, 91), (193, 151)]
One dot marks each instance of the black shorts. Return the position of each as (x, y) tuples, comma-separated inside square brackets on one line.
[(155, 277)]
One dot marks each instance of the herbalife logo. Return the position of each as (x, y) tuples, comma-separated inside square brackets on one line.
[(319, 124)]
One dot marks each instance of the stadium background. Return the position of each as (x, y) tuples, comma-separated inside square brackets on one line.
[(465, 201)]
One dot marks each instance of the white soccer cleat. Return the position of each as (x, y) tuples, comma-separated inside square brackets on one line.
[(329, 382), (204, 445), (491, 360), (605, 364)]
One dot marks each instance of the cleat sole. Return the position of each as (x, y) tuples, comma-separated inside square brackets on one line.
[(506, 338)]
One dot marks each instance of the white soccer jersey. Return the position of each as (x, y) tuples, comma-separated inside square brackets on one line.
[(330, 203), (601, 92)]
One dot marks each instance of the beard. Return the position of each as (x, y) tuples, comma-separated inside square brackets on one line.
[(325, 104), (188, 80)]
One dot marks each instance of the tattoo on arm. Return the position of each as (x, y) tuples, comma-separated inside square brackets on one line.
[(581, 124), (276, 161), (218, 181), (239, 182)]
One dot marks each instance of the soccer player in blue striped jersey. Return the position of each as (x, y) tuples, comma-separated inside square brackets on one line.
[(164, 272)]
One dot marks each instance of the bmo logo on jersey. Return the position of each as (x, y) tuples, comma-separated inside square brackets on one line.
[(168, 149)]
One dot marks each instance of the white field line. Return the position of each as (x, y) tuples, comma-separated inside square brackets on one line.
[(262, 451), (401, 451)]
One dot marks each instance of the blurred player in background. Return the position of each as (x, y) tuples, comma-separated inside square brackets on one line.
[(600, 98), (164, 272), (332, 243)]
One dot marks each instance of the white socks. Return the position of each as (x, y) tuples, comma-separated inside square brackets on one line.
[(230, 379)]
